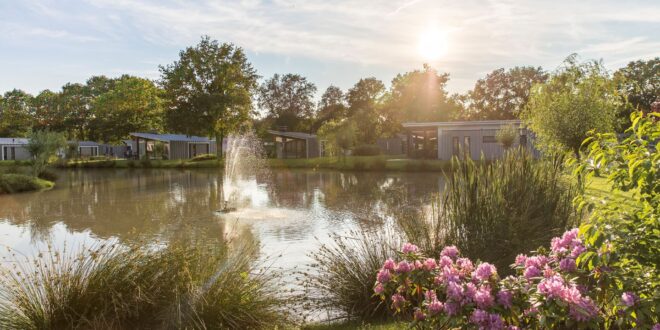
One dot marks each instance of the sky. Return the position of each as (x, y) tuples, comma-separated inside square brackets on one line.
[(47, 43)]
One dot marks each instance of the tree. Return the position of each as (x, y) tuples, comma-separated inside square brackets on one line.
[(364, 102), (419, 95), (339, 136), (43, 145), (331, 107), (15, 113), (639, 83), (74, 105), (47, 114), (506, 136), (578, 98), (288, 99), (133, 104), (209, 90), (502, 94)]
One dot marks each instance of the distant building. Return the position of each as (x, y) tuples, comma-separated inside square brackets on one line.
[(395, 145), (296, 145), (176, 146), (443, 140), (14, 149)]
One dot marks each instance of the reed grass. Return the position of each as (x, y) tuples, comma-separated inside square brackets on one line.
[(112, 286)]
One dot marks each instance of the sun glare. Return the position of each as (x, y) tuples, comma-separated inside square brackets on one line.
[(432, 44)]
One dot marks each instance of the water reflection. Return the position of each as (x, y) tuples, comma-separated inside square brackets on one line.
[(287, 211)]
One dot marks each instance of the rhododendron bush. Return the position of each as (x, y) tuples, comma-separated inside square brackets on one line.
[(551, 289)]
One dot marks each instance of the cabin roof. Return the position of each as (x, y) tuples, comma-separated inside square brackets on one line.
[(170, 137), (293, 135)]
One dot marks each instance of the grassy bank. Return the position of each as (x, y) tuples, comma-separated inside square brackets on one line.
[(352, 163), (14, 183)]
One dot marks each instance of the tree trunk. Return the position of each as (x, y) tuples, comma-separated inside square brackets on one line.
[(219, 136)]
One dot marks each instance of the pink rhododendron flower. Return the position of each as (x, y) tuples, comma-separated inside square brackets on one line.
[(465, 265), (398, 301), (419, 315), (479, 317), (450, 251), (451, 308), (537, 261), (435, 307), (531, 272), (389, 264), (409, 248), (430, 264), (520, 259), (454, 291), (403, 267), (583, 310), (577, 251), (430, 296), (470, 291), (552, 287), (484, 271), (505, 298), (483, 297), (629, 299), (548, 272), (418, 265), (445, 261), (383, 276), (450, 274), (378, 289)]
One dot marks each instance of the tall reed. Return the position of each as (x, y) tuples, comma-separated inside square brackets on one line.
[(112, 286), (493, 212)]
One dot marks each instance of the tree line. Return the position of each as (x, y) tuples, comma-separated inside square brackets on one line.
[(213, 90)]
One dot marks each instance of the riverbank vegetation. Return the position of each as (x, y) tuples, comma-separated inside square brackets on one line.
[(11, 183)]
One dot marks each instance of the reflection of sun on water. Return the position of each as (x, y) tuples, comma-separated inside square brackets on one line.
[(432, 44)]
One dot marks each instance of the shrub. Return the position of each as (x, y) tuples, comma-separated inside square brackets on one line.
[(367, 150), (118, 287), (494, 211), (506, 136), (551, 290), (42, 146), (15, 183), (145, 162), (48, 175), (204, 157), (341, 279)]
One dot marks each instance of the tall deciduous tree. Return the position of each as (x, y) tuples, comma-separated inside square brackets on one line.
[(639, 83), (288, 100), (502, 94), (133, 104), (364, 105), (46, 112), (75, 105), (331, 107), (578, 98), (209, 90), (15, 113)]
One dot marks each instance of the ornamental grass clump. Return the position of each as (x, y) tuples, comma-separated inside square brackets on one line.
[(550, 290), (113, 286)]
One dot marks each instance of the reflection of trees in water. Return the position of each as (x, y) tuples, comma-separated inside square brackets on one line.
[(122, 203)]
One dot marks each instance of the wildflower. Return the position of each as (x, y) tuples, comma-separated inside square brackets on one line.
[(504, 298), (403, 267), (389, 264), (483, 298), (409, 248), (398, 301), (567, 265), (629, 299), (520, 260), (450, 251), (430, 264), (484, 271), (435, 307), (383, 276)]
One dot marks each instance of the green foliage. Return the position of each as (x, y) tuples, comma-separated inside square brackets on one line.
[(339, 136), (14, 183), (366, 150), (493, 212), (209, 90), (364, 104), (203, 157), (578, 98), (43, 145), (132, 105), (15, 119), (639, 83), (288, 101), (506, 136), (201, 286), (627, 235), (331, 107), (502, 94)]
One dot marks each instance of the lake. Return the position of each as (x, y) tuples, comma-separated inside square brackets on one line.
[(291, 212)]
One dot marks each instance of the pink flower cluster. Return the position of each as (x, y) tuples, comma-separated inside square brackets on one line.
[(452, 288)]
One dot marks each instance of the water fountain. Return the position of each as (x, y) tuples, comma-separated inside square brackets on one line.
[(244, 160)]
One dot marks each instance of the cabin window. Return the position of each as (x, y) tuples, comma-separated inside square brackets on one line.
[(489, 139), (466, 147), (455, 149)]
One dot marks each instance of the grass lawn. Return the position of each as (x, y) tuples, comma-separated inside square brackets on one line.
[(598, 188)]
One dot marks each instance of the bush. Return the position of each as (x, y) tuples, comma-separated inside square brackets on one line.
[(494, 211), (48, 175), (550, 290), (117, 287), (15, 183), (202, 157), (341, 279), (367, 150)]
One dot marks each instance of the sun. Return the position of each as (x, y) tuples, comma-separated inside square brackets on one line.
[(432, 44)]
